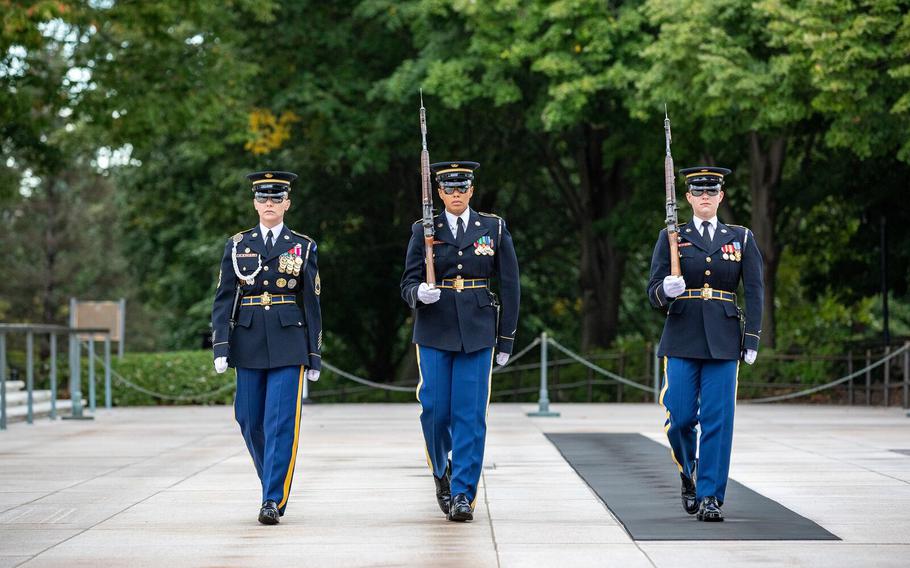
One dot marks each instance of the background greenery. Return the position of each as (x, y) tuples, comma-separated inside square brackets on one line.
[(126, 129)]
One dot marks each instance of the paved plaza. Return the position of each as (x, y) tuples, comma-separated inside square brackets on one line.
[(175, 487)]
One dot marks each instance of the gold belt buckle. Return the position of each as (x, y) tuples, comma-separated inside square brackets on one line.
[(266, 298), (459, 284), (707, 293)]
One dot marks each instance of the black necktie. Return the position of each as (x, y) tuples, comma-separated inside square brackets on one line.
[(705, 232), (268, 242), (460, 235)]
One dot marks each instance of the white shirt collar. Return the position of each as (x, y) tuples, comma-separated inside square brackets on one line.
[(698, 222), (453, 219), (276, 231)]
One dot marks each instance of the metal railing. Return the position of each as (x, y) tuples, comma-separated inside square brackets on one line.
[(74, 341)]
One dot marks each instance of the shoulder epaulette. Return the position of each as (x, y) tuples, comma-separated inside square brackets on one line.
[(489, 215), (302, 235), (239, 236), (738, 227)]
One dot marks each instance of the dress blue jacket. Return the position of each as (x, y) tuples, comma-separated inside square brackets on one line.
[(709, 329), (278, 335), (467, 319)]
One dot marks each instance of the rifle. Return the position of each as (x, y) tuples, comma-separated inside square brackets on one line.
[(670, 186), (428, 231)]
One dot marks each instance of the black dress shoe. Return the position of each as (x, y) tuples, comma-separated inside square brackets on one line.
[(689, 503), (709, 511), (444, 489), (461, 510), (268, 514)]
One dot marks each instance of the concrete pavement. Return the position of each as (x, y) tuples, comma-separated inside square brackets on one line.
[(175, 487)]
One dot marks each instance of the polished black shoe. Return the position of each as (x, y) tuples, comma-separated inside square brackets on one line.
[(709, 511), (461, 510), (444, 489), (268, 514), (689, 503)]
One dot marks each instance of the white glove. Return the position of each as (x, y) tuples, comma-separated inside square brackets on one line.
[(312, 375), (674, 286), (220, 364), (749, 356), (428, 295), (502, 359)]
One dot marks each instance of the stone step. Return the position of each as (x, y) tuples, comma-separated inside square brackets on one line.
[(20, 398), (13, 386), (40, 410)]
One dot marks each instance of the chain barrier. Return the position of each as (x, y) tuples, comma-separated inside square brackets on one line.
[(598, 369), (571, 354), (831, 384)]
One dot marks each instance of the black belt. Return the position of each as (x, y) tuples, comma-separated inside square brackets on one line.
[(707, 294), (266, 299)]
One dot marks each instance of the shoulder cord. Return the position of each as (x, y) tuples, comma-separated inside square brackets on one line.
[(251, 278)]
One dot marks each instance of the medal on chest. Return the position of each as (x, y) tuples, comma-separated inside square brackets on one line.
[(484, 247)]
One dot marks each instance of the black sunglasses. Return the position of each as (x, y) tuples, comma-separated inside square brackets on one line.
[(697, 192), (276, 199), (449, 190)]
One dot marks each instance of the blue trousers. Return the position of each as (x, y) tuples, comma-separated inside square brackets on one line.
[(701, 392), (454, 393), (267, 407)]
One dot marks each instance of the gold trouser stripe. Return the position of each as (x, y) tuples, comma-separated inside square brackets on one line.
[(486, 413), (290, 474), (667, 425), (736, 391), (426, 449)]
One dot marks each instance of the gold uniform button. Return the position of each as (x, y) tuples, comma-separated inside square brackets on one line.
[(265, 282), (707, 273), (708, 259), (267, 307)]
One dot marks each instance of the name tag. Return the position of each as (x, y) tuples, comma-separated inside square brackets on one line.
[(247, 255), (680, 245)]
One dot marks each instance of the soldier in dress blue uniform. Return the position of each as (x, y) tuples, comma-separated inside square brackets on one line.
[(457, 325), (702, 341), (267, 324)]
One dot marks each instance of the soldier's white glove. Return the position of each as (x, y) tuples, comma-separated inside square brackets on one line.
[(674, 286), (312, 375), (428, 295), (220, 364), (502, 359), (749, 356)]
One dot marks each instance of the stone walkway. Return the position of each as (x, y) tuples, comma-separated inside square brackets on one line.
[(175, 487)]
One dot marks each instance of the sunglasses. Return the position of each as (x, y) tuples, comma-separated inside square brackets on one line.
[(697, 192), (276, 199), (449, 190)]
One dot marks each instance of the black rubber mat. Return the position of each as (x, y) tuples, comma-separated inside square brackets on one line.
[(637, 480)]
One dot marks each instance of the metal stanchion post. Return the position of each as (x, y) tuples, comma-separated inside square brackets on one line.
[(30, 377), (91, 374), (53, 342), (75, 380), (543, 403), (2, 381), (907, 376), (107, 371)]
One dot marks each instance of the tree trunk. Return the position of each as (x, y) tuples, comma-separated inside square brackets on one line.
[(602, 261), (766, 159)]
